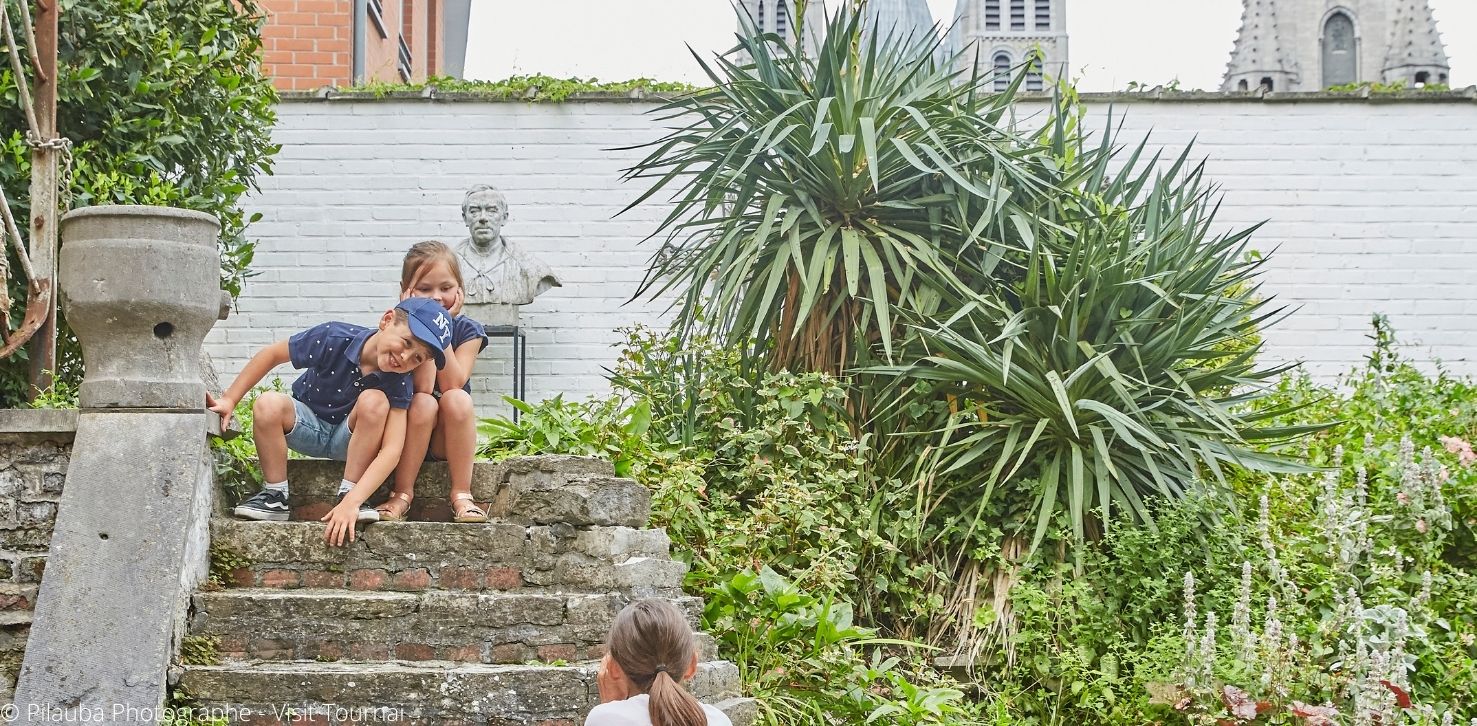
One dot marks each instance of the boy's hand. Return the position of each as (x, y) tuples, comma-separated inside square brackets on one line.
[(223, 406), (341, 520)]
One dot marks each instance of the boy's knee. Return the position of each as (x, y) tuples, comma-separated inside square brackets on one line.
[(373, 404), (272, 408), (456, 406), (423, 408)]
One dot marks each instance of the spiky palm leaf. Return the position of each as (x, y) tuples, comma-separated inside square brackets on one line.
[(1116, 368), (815, 196)]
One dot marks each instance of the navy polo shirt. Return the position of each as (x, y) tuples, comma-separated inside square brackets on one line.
[(331, 381), (464, 329)]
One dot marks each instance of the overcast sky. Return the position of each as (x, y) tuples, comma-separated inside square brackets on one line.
[(1113, 42)]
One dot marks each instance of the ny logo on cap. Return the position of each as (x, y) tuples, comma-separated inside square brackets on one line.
[(445, 328)]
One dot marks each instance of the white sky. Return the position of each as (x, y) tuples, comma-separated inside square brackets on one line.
[(1112, 42)]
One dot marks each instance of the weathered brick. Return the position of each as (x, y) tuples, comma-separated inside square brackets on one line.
[(281, 578), (504, 578), (269, 648), (463, 654), (415, 651), (460, 578), (243, 577), (368, 579), (557, 651), (322, 578), (369, 651), (414, 579), (509, 653)]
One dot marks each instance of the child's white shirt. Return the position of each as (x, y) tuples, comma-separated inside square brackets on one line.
[(636, 711)]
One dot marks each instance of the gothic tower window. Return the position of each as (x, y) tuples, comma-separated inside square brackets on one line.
[(782, 18), (1267, 84), (1340, 54), (992, 14), (1034, 79), (1017, 14), (1002, 70), (1422, 78), (760, 16), (1043, 14), (1242, 86)]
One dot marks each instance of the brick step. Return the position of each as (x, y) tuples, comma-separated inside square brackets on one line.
[(431, 692), (413, 556), (487, 627), (573, 490)]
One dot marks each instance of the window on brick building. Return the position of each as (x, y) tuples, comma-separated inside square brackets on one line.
[(376, 11)]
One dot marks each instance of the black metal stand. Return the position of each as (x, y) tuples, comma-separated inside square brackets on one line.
[(520, 358)]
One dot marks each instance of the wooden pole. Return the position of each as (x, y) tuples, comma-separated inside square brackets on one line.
[(44, 189)]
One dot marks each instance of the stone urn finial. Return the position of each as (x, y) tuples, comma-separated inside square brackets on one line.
[(141, 287)]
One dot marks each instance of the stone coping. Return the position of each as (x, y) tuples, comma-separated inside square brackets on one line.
[(1158, 95), (38, 420)]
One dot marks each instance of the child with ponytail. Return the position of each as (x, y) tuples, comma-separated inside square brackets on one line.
[(650, 653), (441, 418)]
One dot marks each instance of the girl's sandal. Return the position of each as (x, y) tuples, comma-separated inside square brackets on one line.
[(387, 510), (465, 510)]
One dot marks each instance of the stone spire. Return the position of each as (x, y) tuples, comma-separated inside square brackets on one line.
[(903, 17), (1262, 56), (1416, 53)]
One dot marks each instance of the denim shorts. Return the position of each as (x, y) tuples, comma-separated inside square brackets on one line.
[(312, 436)]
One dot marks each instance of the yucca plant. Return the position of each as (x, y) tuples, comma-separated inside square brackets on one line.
[(1117, 367), (818, 194)]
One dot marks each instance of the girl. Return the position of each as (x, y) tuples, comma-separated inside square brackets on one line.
[(649, 653), (441, 418)]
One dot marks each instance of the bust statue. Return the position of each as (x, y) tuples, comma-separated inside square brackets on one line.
[(498, 275)]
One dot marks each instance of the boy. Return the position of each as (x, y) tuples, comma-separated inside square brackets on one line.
[(348, 405)]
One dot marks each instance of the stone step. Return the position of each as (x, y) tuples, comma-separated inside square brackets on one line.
[(431, 692), (414, 556), (475, 627), (574, 490)]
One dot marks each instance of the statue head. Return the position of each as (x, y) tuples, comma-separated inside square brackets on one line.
[(484, 210)]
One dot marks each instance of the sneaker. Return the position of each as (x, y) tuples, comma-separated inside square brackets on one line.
[(267, 505), (366, 512)]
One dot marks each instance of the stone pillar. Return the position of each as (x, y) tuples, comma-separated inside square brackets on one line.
[(140, 286)]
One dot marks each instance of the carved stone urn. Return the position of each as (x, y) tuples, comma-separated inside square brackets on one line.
[(141, 287)]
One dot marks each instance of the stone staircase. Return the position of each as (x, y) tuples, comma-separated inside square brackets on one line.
[(431, 622)]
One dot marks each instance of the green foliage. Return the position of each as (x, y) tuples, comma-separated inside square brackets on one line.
[(534, 88), (62, 393), (806, 662), (203, 650), (600, 428), (820, 195), (165, 103), (1101, 374), (1376, 87), (224, 561)]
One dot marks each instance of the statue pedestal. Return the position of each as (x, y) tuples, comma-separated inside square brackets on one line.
[(490, 374)]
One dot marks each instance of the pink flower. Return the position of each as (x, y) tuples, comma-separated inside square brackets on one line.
[(1421, 526), (1403, 498), (1461, 448)]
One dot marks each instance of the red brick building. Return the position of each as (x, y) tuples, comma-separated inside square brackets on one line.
[(308, 44)]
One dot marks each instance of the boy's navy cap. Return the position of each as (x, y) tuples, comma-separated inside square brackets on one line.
[(430, 322)]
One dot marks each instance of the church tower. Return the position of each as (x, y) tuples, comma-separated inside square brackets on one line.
[(906, 18), (778, 16), (1310, 45), (996, 36)]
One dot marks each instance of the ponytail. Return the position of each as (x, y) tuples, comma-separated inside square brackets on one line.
[(652, 642), (672, 705)]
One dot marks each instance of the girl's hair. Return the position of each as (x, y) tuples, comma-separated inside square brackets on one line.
[(652, 642), (425, 253)]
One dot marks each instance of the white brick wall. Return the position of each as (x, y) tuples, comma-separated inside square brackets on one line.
[(1372, 208)]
